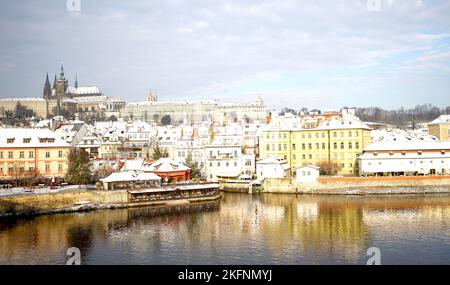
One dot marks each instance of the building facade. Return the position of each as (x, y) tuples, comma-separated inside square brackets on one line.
[(406, 158), (314, 139), (26, 152), (440, 127)]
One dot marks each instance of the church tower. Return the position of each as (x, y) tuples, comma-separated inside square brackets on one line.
[(60, 90), (47, 89), (47, 95)]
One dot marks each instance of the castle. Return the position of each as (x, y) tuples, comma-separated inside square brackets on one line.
[(61, 90)]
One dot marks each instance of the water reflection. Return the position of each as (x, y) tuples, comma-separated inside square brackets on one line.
[(241, 229)]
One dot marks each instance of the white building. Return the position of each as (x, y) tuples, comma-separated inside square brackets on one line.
[(227, 162), (272, 167), (308, 173), (398, 158)]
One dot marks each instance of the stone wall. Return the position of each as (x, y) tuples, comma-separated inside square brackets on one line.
[(31, 203), (361, 185)]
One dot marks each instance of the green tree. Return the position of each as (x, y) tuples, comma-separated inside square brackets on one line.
[(79, 171), (195, 170), (165, 120), (159, 152)]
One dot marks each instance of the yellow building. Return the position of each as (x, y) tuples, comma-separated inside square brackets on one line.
[(314, 139), (26, 152), (440, 127)]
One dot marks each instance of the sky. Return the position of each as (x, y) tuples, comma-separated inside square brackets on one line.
[(293, 53)]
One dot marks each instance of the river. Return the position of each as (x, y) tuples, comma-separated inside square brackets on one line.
[(241, 229)]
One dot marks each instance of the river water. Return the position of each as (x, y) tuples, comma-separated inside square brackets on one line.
[(241, 229)]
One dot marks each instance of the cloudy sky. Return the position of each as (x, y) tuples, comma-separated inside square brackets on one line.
[(312, 53)]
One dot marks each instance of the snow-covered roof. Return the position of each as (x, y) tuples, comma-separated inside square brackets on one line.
[(25, 99), (165, 165), (271, 160), (133, 164), (87, 90), (398, 135), (131, 176), (21, 137), (309, 166), (442, 119), (388, 146)]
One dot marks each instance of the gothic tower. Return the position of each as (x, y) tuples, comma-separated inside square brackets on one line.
[(47, 94), (47, 89), (60, 90)]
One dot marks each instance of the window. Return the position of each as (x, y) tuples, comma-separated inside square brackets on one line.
[(22, 154), (31, 154), (350, 146), (323, 135), (10, 154), (10, 140), (1, 154), (310, 156), (285, 147), (47, 154), (342, 145), (293, 146), (303, 146), (267, 147), (335, 145), (323, 146), (304, 156), (227, 164), (294, 157), (357, 145), (218, 164), (317, 135), (334, 134), (60, 153), (317, 146), (47, 167), (235, 164), (285, 136), (350, 134), (279, 147)]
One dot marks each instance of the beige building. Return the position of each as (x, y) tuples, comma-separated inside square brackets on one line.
[(316, 139), (194, 111), (440, 127), (25, 151)]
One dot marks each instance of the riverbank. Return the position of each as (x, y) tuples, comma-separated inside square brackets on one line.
[(79, 200), (361, 185)]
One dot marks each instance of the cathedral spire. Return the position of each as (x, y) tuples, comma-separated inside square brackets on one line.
[(47, 88), (76, 80), (54, 82), (61, 74)]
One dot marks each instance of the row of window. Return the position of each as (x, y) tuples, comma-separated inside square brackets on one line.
[(309, 146), (30, 168), (410, 162), (391, 153), (317, 135), (226, 164), (10, 154)]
